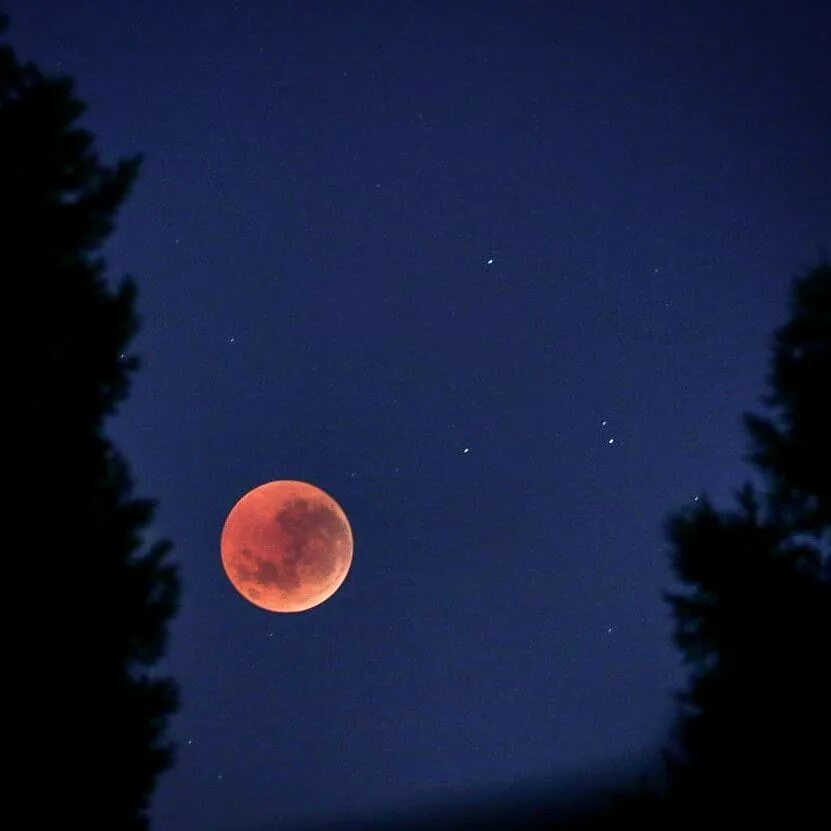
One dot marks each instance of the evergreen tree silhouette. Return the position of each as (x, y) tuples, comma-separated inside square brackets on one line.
[(100, 595), (793, 451), (753, 619)]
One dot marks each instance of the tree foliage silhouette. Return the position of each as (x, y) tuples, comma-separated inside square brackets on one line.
[(105, 595), (753, 619)]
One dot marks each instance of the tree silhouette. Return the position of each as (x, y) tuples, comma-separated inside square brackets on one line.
[(96, 708), (794, 451), (753, 619)]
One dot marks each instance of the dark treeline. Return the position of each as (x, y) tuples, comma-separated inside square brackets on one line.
[(754, 619), (97, 596), (753, 611)]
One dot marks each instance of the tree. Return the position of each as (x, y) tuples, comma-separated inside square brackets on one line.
[(95, 706), (793, 451), (754, 617)]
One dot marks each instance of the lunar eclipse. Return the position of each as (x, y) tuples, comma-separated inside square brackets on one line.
[(286, 546)]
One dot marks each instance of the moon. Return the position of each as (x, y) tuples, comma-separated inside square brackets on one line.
[(286, 546)]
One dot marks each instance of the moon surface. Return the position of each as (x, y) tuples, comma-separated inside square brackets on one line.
[(286, 546)]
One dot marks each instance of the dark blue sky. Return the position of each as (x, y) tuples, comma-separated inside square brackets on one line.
[(370, 237)]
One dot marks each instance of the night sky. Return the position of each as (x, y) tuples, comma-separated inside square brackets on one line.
[(501, 278)]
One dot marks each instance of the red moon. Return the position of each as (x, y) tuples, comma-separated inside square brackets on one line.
[(286, 546)]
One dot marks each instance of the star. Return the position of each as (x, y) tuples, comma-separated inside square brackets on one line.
[(611, 441), (490, 261), (466, 450), (231, 340), (603, 424)]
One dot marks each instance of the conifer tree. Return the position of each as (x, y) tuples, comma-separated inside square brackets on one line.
[(753, 617), (100, 595)]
